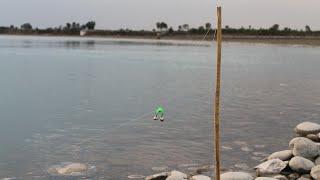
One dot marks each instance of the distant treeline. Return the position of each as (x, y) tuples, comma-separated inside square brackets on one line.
[(161, 29)]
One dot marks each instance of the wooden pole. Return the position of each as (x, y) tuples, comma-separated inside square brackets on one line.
[(217, 97)]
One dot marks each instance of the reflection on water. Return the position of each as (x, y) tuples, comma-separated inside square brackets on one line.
[(91, 101)]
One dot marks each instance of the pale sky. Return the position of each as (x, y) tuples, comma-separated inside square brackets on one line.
[(143, 14)]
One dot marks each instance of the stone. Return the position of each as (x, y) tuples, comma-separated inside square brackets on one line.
[(293, 176), (72, 168), (317, 161), (294, 141), (280, 177), (301, 165), (315, 172), (265, 178), (176, 175), (304, 147), (313, 137), (306, 128), (236, 176), (273, 166), (160, 176), (305, 177), (282, 155), (200, 177)]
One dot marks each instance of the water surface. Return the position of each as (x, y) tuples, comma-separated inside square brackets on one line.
[(91, 100)]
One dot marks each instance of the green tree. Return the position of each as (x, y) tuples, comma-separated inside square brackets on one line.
[(26, 26), (158, 25), (275, 27), (68, 26), (307, 28), (170, 30), (161, 26), (201, 29), (164, 25), (208, 25), (91, 25), (186, 27)]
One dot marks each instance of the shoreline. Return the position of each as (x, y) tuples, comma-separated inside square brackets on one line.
[(192, 39)]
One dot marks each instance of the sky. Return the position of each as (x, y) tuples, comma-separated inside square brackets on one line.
[(143, 14)]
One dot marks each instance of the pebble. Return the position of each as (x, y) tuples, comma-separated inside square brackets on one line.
[(200, 177), (273, 166), (313, 137), (236, 176), (159, 176), (293, 176), (304, 147), (301, 165), (315, 172), (176, 175), (306, 128), (317, 161), (282, 155), (280, 177)]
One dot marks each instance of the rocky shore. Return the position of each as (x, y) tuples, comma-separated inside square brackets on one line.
[(301, 161)]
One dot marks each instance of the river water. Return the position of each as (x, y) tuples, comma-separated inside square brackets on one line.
[(87, 100)]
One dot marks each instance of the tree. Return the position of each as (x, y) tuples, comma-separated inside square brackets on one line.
[(201, 29), (162, 26), (158, 25), (91, 25), (185, 27), (170, 30), (308, 29), (74, 25), (180, 28), (208, 26), (68, 26), (275, 27), (26, 26)]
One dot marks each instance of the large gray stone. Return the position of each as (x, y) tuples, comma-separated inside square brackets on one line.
[(236, 176), (301, 165), (273, 166), (282, 155), (306, 128), (315, 172), (304, 147), (176, 175)]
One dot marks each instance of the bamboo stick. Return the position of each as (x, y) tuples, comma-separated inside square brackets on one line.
[(217, 97)]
